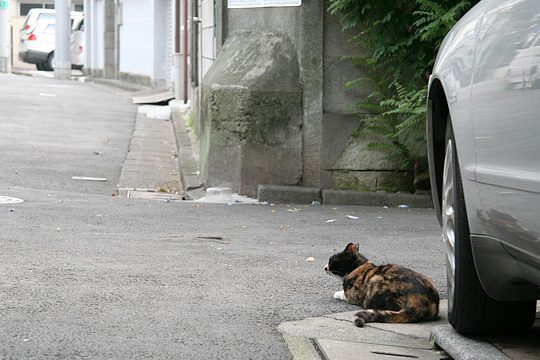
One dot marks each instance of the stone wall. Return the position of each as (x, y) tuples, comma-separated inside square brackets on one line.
[(237, 114), (359, 168), (252, 114)]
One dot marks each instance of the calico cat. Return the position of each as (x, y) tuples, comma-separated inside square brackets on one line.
[(387, 293)]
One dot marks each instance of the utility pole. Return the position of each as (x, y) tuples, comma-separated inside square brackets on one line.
[(62, 51), (177, 57), (87, 33), (5, 38)]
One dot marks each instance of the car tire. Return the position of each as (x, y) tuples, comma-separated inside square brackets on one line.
[(50, 62), (470, 309)]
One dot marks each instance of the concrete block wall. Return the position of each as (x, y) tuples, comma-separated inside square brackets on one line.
[(329, 116), (252, 114)]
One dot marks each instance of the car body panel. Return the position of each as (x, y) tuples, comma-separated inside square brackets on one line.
[(78, 47), (33, 17), (507, 123), (488, 66), (33, 51), (37, 51), (454, 70)]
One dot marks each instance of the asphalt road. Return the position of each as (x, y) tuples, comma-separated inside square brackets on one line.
[(84, 274)]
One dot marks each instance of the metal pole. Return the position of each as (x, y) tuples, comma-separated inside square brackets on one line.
[(62, 51), (178, 89), (5, 37), (185, 51), (87, 30)]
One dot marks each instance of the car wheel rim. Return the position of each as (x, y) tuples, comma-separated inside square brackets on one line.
[(448, 226)]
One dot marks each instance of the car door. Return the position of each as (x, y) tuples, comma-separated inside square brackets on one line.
[(506, 125), (47, 39)]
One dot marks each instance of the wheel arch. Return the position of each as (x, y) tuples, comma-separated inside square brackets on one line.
[(436, 129)]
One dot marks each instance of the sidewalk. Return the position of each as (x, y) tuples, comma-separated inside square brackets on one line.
[(151, 167), (334, 337)]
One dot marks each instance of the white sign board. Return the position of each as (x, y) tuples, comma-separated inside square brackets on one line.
[(242, 4)]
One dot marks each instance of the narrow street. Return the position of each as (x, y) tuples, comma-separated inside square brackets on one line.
[(85, 274)]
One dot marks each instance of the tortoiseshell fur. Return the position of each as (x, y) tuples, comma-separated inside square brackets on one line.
[(387, 293)]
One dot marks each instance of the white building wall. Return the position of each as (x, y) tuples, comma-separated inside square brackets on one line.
[(208, 40), (98, 29), (137, 37), (161, 39), (170, 45)]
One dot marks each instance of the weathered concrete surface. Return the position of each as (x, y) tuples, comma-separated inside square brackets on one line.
[(336, 337), (289, 194), (252, 114), (311, 60), (337, 128), (349, 197), (151, 163), (515, 347), (464, 348), (359, 168), (339, 99), (188, 150), (372, 180)]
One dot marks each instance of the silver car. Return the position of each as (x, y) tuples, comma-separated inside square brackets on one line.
[(484, 158)]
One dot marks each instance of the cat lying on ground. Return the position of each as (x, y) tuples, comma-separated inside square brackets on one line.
[(387, 293)]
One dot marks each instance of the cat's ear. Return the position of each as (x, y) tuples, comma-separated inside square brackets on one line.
[(352, 248)]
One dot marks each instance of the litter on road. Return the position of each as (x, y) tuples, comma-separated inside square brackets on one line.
[(352, 217), (88, 178), (331, 220), (10, 200)]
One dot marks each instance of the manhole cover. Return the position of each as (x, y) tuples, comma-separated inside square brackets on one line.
[(10, 200)]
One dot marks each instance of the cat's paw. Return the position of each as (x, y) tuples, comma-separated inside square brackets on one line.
[(359, 322), (365, 315), (340, 295)]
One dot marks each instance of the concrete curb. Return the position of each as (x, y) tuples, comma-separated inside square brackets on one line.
[(347, 197), (334, 337), (289, 194), (187, 160), (306, 195), (119, 84), (462, 348)]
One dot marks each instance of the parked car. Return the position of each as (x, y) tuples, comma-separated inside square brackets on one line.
[(39, 44), (483, 147), (38, 48), (78, 47), (33, 17)]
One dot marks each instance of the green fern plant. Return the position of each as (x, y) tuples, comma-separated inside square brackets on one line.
[(400, 39)]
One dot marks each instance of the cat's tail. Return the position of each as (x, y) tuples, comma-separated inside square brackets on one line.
[(408, 314)]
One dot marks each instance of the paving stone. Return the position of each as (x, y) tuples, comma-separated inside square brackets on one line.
[(342, 350), (151, 162)]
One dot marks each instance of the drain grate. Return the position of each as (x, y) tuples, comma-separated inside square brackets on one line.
[(10, 200)]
